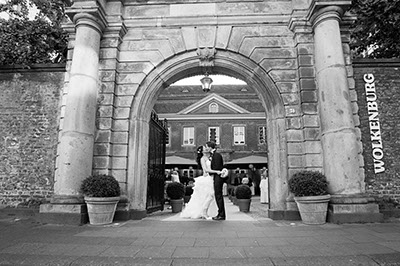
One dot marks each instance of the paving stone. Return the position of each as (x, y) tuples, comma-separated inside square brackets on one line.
[(210, 242), (191, 252), (227, 252), (180, 241), (121, 251), (156, 252), (262, 252), (333, 261)]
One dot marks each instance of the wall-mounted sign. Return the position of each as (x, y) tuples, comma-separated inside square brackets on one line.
[(374, 125)]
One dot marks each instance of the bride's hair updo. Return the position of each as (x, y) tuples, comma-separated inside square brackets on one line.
[(199, 154)]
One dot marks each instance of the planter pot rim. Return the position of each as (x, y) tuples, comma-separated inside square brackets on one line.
[(101, 198), (322, 198)]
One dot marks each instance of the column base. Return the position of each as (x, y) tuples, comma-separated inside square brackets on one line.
[(70, 214), (353, 209), (137, 214)]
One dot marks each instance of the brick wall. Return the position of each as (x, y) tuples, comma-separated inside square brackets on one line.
[(387, 92), (29, 121)]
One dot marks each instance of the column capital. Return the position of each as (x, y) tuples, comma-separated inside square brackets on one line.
[(90, 16), (326, 13), (321, 10)]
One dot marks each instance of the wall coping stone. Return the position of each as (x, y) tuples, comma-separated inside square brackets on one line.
[(371, 62), (33, 68)]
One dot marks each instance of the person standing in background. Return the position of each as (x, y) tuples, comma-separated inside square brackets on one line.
[(264, 186), (253, 174)]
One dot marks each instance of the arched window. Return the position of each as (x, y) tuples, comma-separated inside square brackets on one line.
[(213, 108)]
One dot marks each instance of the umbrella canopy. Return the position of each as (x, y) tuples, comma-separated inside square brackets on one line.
[(179, 160), (252, 159)]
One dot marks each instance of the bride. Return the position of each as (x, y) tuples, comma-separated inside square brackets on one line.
[(203, 191)]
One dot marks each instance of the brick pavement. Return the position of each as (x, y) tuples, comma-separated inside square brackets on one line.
[(161, 239)]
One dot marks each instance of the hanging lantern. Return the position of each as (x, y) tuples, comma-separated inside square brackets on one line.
[(206, 83)]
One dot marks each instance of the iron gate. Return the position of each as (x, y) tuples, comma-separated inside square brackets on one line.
[(156, 164)]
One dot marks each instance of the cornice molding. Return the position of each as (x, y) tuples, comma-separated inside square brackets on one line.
[(194, 117)]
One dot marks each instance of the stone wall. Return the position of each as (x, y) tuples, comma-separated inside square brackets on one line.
[(386, 184), (29, 122)]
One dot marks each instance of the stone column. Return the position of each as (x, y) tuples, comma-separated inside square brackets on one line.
[(75, 150), (340, 145), (338, 135), (77, 136)]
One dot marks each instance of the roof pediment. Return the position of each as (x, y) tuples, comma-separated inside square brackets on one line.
[(203, 106)]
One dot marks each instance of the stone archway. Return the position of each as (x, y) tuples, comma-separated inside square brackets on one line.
[(139, 49), (187, 64)]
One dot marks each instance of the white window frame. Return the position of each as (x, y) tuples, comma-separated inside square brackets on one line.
[(188, 136), (237, 138), (264, 128), (217, 134)]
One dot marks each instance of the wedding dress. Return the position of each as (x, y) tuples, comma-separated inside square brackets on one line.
[(202, 199)]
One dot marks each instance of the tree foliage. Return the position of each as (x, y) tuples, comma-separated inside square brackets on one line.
[(27, 41), (376, 31)]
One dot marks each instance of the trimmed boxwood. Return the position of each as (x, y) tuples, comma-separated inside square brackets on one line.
[(175, 190), (243, 192), (308, 183), (100, 186)]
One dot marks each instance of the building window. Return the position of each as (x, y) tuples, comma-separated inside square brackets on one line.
[(213, 134), (262, 135), (188, 136), (213, 108), (238, 135), (167, 139)]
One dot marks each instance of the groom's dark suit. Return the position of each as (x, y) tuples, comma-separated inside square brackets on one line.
[(217, 163)]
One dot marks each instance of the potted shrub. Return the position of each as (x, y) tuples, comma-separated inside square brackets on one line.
[(188, 194), (101, 194), (175, 192), (310, 189), (243, 197)]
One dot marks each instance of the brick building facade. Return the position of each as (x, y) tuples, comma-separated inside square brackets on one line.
[(383, 75), (29, 124), (236, 106)]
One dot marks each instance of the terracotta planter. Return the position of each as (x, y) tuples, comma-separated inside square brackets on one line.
[(313, 209), (101, 210), (176, 205), (244, 204)]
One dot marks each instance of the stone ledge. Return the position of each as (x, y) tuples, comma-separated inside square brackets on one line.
[(354, 208), (63, 208), (63, 218), (340, 218)]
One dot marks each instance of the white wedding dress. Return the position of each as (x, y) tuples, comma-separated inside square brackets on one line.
[(201, 204)]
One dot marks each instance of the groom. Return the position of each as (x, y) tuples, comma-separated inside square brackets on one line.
[(217, 163)]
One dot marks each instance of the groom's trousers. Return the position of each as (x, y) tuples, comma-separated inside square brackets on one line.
[(219, 198)]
